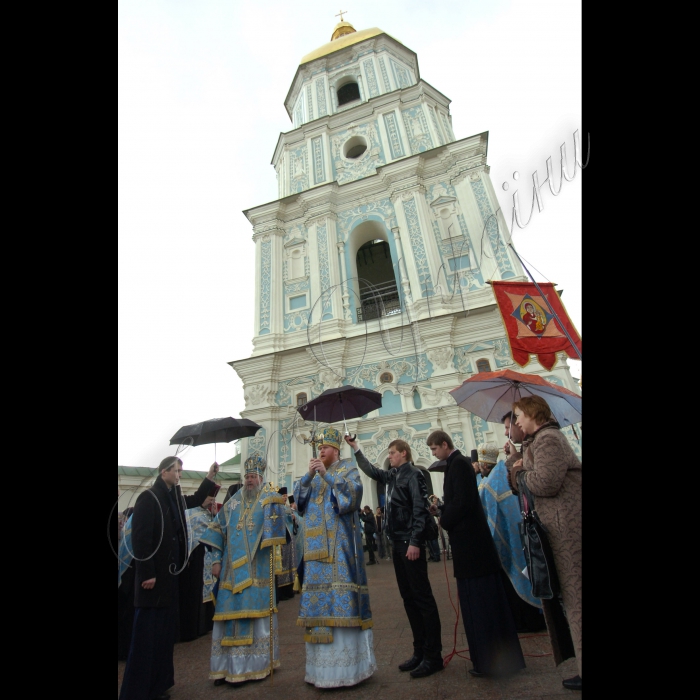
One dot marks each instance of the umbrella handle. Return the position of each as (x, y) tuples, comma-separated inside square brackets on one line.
[(352, 437)]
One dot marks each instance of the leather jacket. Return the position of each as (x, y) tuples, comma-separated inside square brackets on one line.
[(406, 514)]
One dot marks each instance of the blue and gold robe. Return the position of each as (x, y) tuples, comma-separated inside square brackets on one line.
[(503, 515), (242, 536), (334, 593)]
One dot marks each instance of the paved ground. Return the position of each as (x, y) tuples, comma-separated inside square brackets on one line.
[(392, 645)]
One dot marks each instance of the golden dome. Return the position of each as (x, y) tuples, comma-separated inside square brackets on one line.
[(344, 34), (341, 29)]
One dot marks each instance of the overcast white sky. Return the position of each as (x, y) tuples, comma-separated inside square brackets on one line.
[(201, 91)]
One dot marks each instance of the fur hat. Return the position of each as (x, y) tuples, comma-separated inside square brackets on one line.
[(256, 464), (330, 436), (488, 452)]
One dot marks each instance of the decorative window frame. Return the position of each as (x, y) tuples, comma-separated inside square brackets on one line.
[(291, 247), (480, 359), (348, 75), (296, 295)]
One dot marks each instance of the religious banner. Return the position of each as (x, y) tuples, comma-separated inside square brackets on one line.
[(531, 327)]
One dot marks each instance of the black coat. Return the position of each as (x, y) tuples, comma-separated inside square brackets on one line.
[(370, 523), (153, 507), (462, 515), (406, 515)]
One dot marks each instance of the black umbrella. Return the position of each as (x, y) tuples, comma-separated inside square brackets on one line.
[(341, 403), (215, 430), (438, 466)]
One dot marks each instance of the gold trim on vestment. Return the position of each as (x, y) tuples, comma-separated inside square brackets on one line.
[(334, 622), (318, 638), (241, 614), (250, 676), (233, 642), (273, 542), (239, 562)]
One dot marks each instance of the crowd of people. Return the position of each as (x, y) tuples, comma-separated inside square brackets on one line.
[(189, 567)]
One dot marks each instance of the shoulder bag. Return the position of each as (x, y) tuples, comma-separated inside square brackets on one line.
[(538, 552)]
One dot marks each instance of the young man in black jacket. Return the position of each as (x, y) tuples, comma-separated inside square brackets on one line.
[(408, 524), (494, 648), (159, 538)]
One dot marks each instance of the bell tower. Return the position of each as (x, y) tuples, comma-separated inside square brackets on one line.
[(372, 267)]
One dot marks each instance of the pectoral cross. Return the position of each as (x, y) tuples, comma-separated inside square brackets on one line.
[(341, 13)]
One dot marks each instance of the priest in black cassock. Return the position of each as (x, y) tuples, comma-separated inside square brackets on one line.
[(159, 538)]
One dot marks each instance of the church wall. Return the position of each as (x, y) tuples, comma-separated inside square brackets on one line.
[(430, 197), (393, 126)]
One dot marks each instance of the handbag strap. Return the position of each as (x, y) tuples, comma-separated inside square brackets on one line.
[(526, 506)]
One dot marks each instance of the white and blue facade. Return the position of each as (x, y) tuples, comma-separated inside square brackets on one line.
[(376, 174)]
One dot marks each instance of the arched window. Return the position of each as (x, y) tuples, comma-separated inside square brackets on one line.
[(301, 399), (348, 93), (483, 365), (379, 295)]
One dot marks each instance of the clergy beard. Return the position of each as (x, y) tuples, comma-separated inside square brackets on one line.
[(250, 493)]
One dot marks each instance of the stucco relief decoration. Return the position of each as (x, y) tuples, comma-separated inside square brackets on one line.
[(381, 209), (498, 245), (462, 361), (553, 379), (385, 75), (258, 442), (381, 442), (265, 283), (479, 428), (433, 397), (324, 271), (392, 130), (420, 448), (419, 254), (285, 447), (417, 129), (448, 128), (319, 165), (458, 440), (256, 394), (435, 124), (368, 65), (310, 103), (348, 169), (316, 387), (366, 375), (441, 356), (283, 396), (321, 97), (298, 170), (401, 75), (502, 353), (329, 379), (296, 321)]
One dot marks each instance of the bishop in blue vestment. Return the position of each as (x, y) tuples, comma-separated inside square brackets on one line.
[(334, 607)]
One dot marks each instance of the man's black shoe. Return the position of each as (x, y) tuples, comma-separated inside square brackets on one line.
[(413, 662), (427, 668), (476, 673), (572, 683), (219, 681), (369, 563)]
